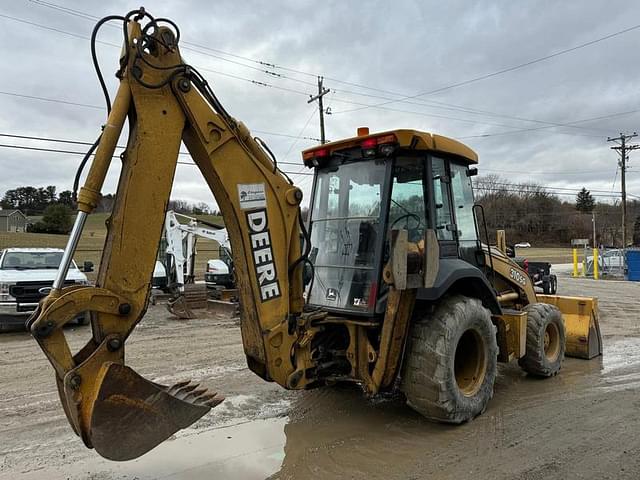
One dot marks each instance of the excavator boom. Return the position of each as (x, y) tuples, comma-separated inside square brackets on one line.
[(180, 261), (166, 102)]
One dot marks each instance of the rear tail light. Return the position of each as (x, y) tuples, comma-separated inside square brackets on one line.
[(314, 158), (383, 145)]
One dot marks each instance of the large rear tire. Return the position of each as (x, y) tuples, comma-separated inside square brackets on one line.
[(545, 340), (451, 361)]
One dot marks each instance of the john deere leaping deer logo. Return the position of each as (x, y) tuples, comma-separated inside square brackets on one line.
[(252, 195)]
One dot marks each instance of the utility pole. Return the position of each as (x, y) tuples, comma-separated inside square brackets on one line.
[(321, 93), (622, 148)]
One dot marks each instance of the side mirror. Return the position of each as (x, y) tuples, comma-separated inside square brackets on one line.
[(511, 251), (87, 266), (472, 172)]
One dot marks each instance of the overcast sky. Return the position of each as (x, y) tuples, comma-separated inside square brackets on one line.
[(388, 49)]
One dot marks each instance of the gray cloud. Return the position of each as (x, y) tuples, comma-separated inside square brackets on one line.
[(405, 47)]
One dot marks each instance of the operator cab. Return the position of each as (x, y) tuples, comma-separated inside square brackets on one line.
[(366, 186)]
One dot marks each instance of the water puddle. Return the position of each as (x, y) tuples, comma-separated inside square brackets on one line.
[(337, 433), (245, 451)]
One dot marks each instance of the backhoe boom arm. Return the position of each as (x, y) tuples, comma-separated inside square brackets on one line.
[(166, 103)]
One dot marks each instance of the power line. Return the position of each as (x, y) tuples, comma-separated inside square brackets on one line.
[(259, 83), (268, 85), (53, 100), (65, 102), (33, 97), (262, 64), (299, 92), (79, 142), (71, 152), (512, 68), (293, 144), (529, 188), (533, 129), (64, 32), (550, 172), (542, 191), (472, 111)]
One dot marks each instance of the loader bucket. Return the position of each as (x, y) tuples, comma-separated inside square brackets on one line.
[(131, 415), (194, 297), (583, 337)]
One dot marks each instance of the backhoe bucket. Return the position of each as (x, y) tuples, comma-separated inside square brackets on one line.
[(131, 415), (583, 337)]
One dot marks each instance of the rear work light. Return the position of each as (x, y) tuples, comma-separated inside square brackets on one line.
[(383, 145)]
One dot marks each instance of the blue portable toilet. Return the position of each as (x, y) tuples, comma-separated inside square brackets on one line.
[(633, 265)]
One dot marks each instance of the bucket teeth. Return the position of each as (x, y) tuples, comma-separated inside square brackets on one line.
[(184, 391), (174, 388), (214, 402), (189, 392), (204, 398), (192, 396)]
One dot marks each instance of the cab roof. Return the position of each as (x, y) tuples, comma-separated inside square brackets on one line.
[(406, 139)]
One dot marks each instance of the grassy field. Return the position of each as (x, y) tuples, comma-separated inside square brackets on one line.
[(552, 255), (92, 242)]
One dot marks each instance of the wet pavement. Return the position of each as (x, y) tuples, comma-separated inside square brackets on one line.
[(581, 424)]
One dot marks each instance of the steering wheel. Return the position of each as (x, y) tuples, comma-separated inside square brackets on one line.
[(406, 217)]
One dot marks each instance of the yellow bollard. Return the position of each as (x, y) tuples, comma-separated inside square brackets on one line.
[(595, 263), (575, 262)]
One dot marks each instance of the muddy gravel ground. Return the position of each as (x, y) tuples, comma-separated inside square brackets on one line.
[(582, 424)]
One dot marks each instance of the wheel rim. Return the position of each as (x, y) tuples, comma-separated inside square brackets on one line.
[(551, 342), (470, 364)]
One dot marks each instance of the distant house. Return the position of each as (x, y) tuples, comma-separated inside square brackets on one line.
[(12, 221)]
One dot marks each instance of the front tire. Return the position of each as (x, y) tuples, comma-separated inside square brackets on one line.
[(451, 361), (545, 340)]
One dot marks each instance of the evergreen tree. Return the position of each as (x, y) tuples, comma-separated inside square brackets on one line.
[(584, 201)]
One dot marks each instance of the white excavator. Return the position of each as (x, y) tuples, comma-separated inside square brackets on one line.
[(180, 261)]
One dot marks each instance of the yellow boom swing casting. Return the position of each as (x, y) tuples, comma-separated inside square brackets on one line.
[(400, 290)]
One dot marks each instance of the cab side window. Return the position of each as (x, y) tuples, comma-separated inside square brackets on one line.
[(444, 223), (463, 204)]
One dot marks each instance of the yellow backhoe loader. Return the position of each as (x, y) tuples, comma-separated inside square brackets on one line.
[(400, 290)]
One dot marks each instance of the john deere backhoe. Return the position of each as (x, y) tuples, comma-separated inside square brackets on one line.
[(400, 290)]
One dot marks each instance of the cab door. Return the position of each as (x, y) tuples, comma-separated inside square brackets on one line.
[(462, 199), (442, 207)]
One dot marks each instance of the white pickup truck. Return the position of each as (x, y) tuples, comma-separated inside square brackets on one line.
[(26, 276)]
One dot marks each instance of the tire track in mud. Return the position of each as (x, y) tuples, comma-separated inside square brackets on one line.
[(580, 424)]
